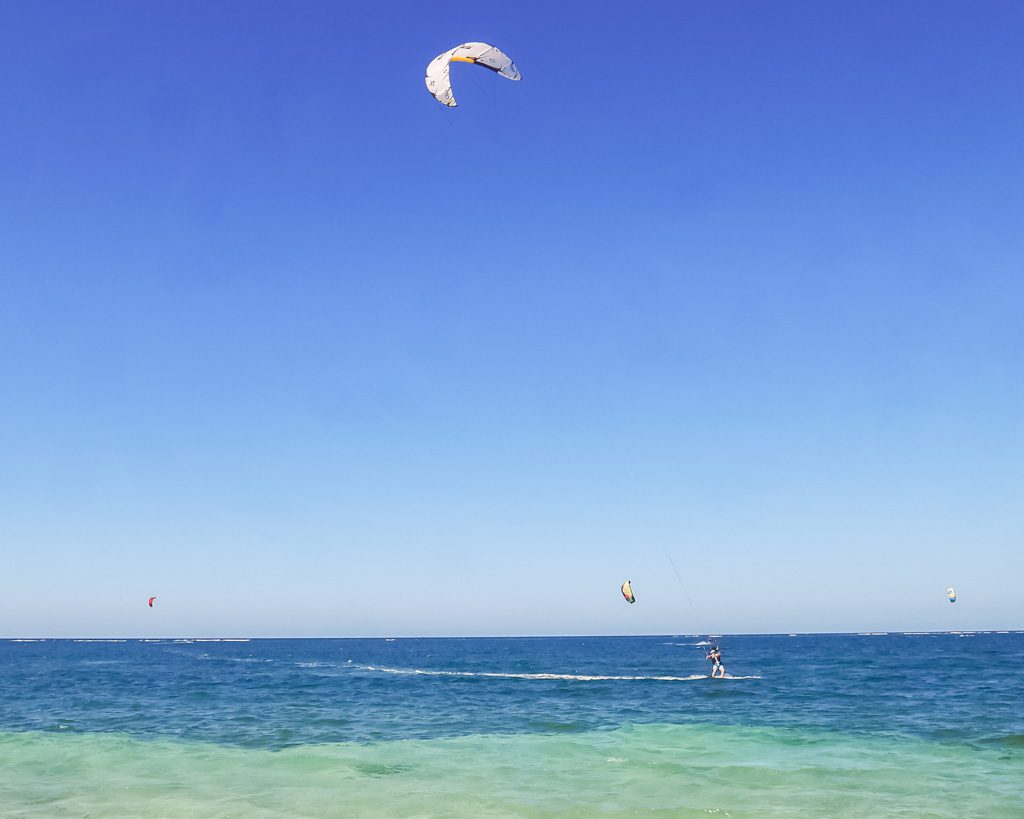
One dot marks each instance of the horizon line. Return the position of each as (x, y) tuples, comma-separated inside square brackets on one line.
[(244, 638)]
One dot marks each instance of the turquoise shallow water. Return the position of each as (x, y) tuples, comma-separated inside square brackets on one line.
[(678, 770), (900, 725)]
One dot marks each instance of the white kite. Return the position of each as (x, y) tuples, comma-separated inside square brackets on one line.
[(438, 81), (627, 592)]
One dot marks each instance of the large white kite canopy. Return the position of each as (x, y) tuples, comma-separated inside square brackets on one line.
[(439, 83)]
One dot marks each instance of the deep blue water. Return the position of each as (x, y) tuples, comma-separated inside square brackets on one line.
[(279, 693)]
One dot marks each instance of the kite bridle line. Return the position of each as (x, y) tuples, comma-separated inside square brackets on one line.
[(686, 594)]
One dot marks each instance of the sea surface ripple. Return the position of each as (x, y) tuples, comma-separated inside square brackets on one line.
[(490, 726)]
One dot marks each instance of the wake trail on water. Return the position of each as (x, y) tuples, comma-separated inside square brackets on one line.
[(511, 675)]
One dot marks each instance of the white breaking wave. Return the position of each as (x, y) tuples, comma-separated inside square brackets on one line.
[(510, 675), (221, 639)]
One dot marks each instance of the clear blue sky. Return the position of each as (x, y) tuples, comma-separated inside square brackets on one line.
[(299, 351)]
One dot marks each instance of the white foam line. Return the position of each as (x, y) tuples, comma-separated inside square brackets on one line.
[(214, 640), (101, 641), (524, 676)]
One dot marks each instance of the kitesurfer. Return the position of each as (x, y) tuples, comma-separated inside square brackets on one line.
[(715, 656)]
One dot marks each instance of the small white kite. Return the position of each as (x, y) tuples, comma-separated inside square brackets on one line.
[(627, 592), (439, 82)]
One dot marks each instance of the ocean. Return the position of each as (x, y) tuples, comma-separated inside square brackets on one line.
[(807, 725)]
